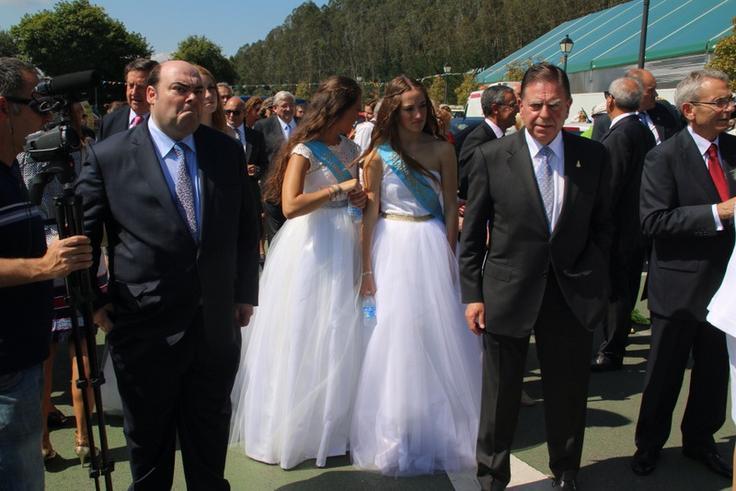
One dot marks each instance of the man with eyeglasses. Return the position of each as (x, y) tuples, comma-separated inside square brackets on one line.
[(27, 267), (174, 198), (534, 258), (686, 209)]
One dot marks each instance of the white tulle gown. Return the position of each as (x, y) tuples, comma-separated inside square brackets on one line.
[(294, 392), (418, 399)]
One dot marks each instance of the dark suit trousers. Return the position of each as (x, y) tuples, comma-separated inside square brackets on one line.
[(563, 349), (672, 342), (274, 219), (175, 391), (625, 281)]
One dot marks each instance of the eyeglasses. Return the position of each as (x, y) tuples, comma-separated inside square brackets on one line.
[(552, 106), (38, 106), (721, 103), (229, 112)]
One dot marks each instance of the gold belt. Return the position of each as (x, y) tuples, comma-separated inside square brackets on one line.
[(405, 218)]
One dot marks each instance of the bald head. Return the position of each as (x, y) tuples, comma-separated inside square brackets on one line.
[(649, 85), (234, 112), (175, 93)]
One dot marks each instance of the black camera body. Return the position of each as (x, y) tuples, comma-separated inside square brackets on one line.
[(56, 142)]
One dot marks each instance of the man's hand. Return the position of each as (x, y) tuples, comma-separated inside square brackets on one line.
[(243, 313), (253, 169), (102, 320), (357, 197), (475, 317), (66, 255), (725, 209)]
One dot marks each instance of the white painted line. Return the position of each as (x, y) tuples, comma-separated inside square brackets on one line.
[(523, 478)]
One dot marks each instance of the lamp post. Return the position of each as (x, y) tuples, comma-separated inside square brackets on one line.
[(447, 69), (566, 47)]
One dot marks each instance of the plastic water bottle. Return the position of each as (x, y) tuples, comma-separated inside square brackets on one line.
[(369, 312), (356, 214)]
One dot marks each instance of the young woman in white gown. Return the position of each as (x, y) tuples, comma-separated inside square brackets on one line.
[(418, 398), (294, 391)]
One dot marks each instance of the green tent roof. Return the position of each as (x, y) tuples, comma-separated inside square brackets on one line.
[(610, 37)]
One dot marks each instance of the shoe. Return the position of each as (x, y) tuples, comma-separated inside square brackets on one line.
[(606, 363), (711, 459), (526, 399), (569, 484), (644, 462), (81, 448)]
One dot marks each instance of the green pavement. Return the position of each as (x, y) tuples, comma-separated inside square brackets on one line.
[(613, 407)]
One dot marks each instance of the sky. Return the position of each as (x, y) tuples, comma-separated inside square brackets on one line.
[(164, 23)]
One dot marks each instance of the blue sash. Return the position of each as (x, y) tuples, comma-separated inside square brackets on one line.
[(325, 155), (414, 181)]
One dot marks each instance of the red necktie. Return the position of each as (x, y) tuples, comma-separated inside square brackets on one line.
[(716, 173), (136, 121)]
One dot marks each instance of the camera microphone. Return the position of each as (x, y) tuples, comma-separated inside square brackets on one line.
[(70, 82)]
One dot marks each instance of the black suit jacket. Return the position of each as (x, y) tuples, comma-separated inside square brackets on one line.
[(115, 122), (689, 256), (159, 275), (627, 143), (664, 115), (510, 274), (270, 128), (480, 134), (255, 151)]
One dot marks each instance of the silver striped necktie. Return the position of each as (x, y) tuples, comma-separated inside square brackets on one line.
[(185, 189), (543, 173)]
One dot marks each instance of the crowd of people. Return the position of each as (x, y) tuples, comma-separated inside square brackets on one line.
[(302, 286)]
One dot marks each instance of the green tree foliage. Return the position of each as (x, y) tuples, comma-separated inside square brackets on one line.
[(77, 35), (7, 45), (437, 88), (379, 39), (724, 56), (303, 90), (516, 69), (202, 51), (462, 91)]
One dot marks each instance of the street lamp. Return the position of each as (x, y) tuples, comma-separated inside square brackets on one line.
[(566, 47), (447, 68)]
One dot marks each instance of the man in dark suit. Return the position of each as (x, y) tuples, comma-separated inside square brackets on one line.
[(135, 76), (542, 194), (627, 142), (252, 140), (276, 130), (182, 237), (687, 210), (499, 108), (660, 117)]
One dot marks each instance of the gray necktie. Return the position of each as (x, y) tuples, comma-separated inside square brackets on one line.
[(185, 189), (543, 173)]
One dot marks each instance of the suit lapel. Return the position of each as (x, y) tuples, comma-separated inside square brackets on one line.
[(573, 173), (520, 164), (205, 168), (728, 154)]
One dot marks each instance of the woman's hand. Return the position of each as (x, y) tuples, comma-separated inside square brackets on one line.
[(348, 186), (367, 284), (358, 198)]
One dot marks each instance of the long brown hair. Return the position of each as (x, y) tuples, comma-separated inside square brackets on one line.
[(387, 121), (218, 117), (334, 96)]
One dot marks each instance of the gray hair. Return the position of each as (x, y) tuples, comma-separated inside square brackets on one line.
[(689, 87), (626, 92), (494, 95), (224, 84), (283, 95), (11, 75)]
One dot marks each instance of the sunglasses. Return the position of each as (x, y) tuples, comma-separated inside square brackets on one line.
[(228, 112), (39, 106)]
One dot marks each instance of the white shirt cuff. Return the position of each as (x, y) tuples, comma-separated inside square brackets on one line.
[(719, 225)]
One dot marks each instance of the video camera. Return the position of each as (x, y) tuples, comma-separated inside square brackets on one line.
[(55, 143)]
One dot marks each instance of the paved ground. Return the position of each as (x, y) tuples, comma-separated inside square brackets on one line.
[(613, 406)]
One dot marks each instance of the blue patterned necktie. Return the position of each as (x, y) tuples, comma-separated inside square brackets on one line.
[(185, 189), (543, 173)]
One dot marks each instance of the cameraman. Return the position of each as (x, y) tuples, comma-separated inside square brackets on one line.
[(26, 268)]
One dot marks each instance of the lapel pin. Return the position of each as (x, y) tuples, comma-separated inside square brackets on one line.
[(578, 164)]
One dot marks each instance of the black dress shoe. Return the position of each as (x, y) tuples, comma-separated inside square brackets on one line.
[(569, 484), (711, 459), (606, 363), (644, 462)]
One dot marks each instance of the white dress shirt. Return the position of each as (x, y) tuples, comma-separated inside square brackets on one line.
[(619, 118), (291, 125), (557, 162), (703, 145), (131, 116), (496, 130), (651, 126)]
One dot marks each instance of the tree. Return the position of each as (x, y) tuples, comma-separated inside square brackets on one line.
[(7, 45), (436, 89), (202, 51), (516, 69), (468, 85), (724, 56), (76, 36), (303, 90)]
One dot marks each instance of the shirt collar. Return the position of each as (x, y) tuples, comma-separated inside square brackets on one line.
[(556, 145), (132, 115), (619, 118), (163, 142), (702, 143), (496, 129), (284, 123)]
